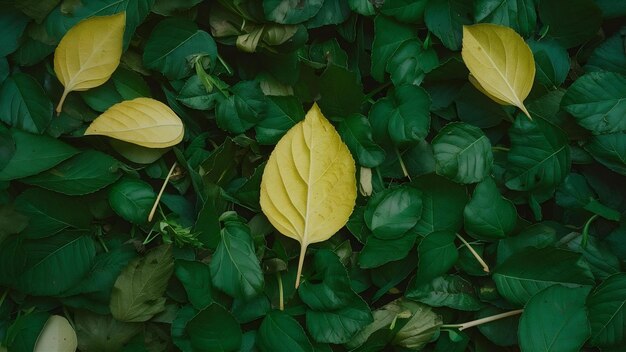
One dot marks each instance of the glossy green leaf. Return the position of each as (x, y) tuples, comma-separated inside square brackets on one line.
[(132, 199), (445, 19), (235, 268), (488, 215), (607, 311), (214, 329), (340, 325), (388, 36), (196, 278), (517, 14), (446, 291), (84, 173), (242, 110), (282, 114), (552, 62), (405, 10), (530, 271), (390, 214), (289, 12), (12, 25), (24, 104), (34, 154), (356, 131), (463, 153), (280, 331), (443, 203), (437, 253), (555, 319), (377, 252), (609, 150)]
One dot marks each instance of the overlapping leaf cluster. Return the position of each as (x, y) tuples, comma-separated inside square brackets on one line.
[(467, 209)]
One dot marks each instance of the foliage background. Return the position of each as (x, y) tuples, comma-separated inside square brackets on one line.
[(541, 200)]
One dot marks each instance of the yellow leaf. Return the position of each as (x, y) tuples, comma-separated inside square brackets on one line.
[(501, 65), (89, 53), (308, 187), (57, 335), (142, 121)]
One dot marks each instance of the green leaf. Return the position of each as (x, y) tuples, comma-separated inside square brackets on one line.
[(377, 252), (597, 101), (524, 274), (172, 43), (102, 332), (24, 104), (331, 12), (34, 154), (56, 263), (539, 156), (446, 291), (463, 153), (242, 110), (196, 278), (391, 213), (437, 253), (405, 10), (421, 327), (502, 332), (403, 116), (341, 92), (279, 331), (356, 131), (488, 215), (570, 22), (214, 329), (538, 235), (290, 12), (608, 56), (11, 222), (609, 150), (329, 287), (388, 36), (138, 291), (443, 203), (84, 173), (282, 114), (132, 199), (340, 325), (602, 262), (575, 193), (12, 25), (555, 319), (475, 108), (607, 312), (235, 268), (517, 14), (411, 62), (194, 94), (50, 213), (22, 335), (446, 18), (552, 62)]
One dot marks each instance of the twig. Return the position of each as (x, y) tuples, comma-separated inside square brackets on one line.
[(474, 253), (158, 198)]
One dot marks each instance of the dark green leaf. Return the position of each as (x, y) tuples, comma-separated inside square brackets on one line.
[(517, 14), (235, 268), (242, 110), (555, 319), (214, 329), (552, 62), (607, 312), (446, 291), (24, 104), (570, 22), (12, 25), (488, 215), (405, 10), (445, 19), (84, 173), (443, 203), (530, 271), (289, 12), (388, 36), (138, 291), (132, 199), (196, 278), (437, 253), (279, 331), (377, 252), (356, 132), (391, 213), (282, 114), (340, 325), (609, 150)]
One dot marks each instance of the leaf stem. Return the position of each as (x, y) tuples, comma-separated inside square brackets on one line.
[(585, 233), (474, 253), (300, 263), (481, 321), (281, 298), (104, 245), (402, 165), (500, 149), (3, 297), (377, 90), (158, 198), (61, 101)]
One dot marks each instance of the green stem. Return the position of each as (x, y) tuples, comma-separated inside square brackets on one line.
[(500, 149), (377, 90), (226, 66), (106, 249), (583, 243), (3, 297), (281, 298)]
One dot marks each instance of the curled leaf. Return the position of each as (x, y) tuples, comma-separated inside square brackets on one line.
[(501, 65), (308, 188), (89, 53), (142, 121)]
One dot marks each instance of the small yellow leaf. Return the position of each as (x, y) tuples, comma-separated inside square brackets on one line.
[(57, 335), (501, 65), (308, 189), (89, 53), (142, 121)]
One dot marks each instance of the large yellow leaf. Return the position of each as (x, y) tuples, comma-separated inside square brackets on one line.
[(57, 335), (308, 187), (142, 121), (501, 65), (89, 53)]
